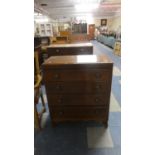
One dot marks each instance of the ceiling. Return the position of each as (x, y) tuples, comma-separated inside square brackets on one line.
[(58, 9)]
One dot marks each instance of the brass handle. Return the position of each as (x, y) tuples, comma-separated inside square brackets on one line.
[(58, 87), (98, 75), (59, 100), (56, 76), (60, 113), (97, 100), (98, 87)]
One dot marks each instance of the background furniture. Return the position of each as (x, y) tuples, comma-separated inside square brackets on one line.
[(40, 44), (91, 31), (37, 93), (79, 28), (107, 40), (42, 40), (69, 49), (44, 29), (78, 87), (77, 38), (117, 48), (62, 39), (68, 37), (37, 48), (65, 33)]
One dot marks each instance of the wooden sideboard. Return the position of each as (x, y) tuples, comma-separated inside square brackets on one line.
[(78, 87), (43, 40), (79, 38), (62, 39), (69, 49)]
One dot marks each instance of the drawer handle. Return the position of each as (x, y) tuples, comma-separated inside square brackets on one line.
[(97, 100), (58, 87), (57, 50), (98, 75), (98, 87), (60, 113), (56, 76), (59, 100), (81, 49)]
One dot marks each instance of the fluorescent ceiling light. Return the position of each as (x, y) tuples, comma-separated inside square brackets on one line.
[(89, 19), (86, 7)]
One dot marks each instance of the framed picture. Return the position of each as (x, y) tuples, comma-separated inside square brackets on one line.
[(103, 22)]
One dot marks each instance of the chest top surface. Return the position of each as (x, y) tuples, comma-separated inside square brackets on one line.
[(77, 60), (70, 45)]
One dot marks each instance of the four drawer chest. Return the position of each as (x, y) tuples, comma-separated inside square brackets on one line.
[(78, 87)]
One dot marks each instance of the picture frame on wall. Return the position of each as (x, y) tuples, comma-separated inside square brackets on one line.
[(103, 22)]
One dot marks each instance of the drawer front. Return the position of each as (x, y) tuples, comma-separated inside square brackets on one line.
[(81, 50), (76, 87), (76, 75), (69, 51), (91, 100), (73, 113), (55, 50)]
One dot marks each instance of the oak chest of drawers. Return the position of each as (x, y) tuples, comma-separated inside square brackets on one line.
[(69, 49), (78, 87)]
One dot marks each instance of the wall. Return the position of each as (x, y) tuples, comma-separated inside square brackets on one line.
[(97, 22), (112, 23)]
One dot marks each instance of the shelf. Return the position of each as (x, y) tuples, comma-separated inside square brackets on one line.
[(45, 29)]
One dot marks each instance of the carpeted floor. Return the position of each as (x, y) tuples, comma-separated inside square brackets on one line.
[(85, 138)]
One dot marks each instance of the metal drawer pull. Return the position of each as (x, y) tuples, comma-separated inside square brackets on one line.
[(98, 87), (58, 87), (98, 75), (97, 100), (56, 76), (57, 50), (60, 113), (59, 100)]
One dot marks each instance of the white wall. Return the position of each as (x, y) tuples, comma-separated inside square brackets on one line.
[(112, 23)]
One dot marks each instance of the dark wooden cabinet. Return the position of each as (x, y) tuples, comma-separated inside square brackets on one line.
[(78, 87), (69, 49), (92, 31), (38, 42)]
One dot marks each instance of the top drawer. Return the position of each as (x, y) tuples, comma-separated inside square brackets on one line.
[(76, 75), (69, 51)]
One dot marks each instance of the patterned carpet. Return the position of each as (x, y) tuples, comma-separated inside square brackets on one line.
[(85, 138)]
